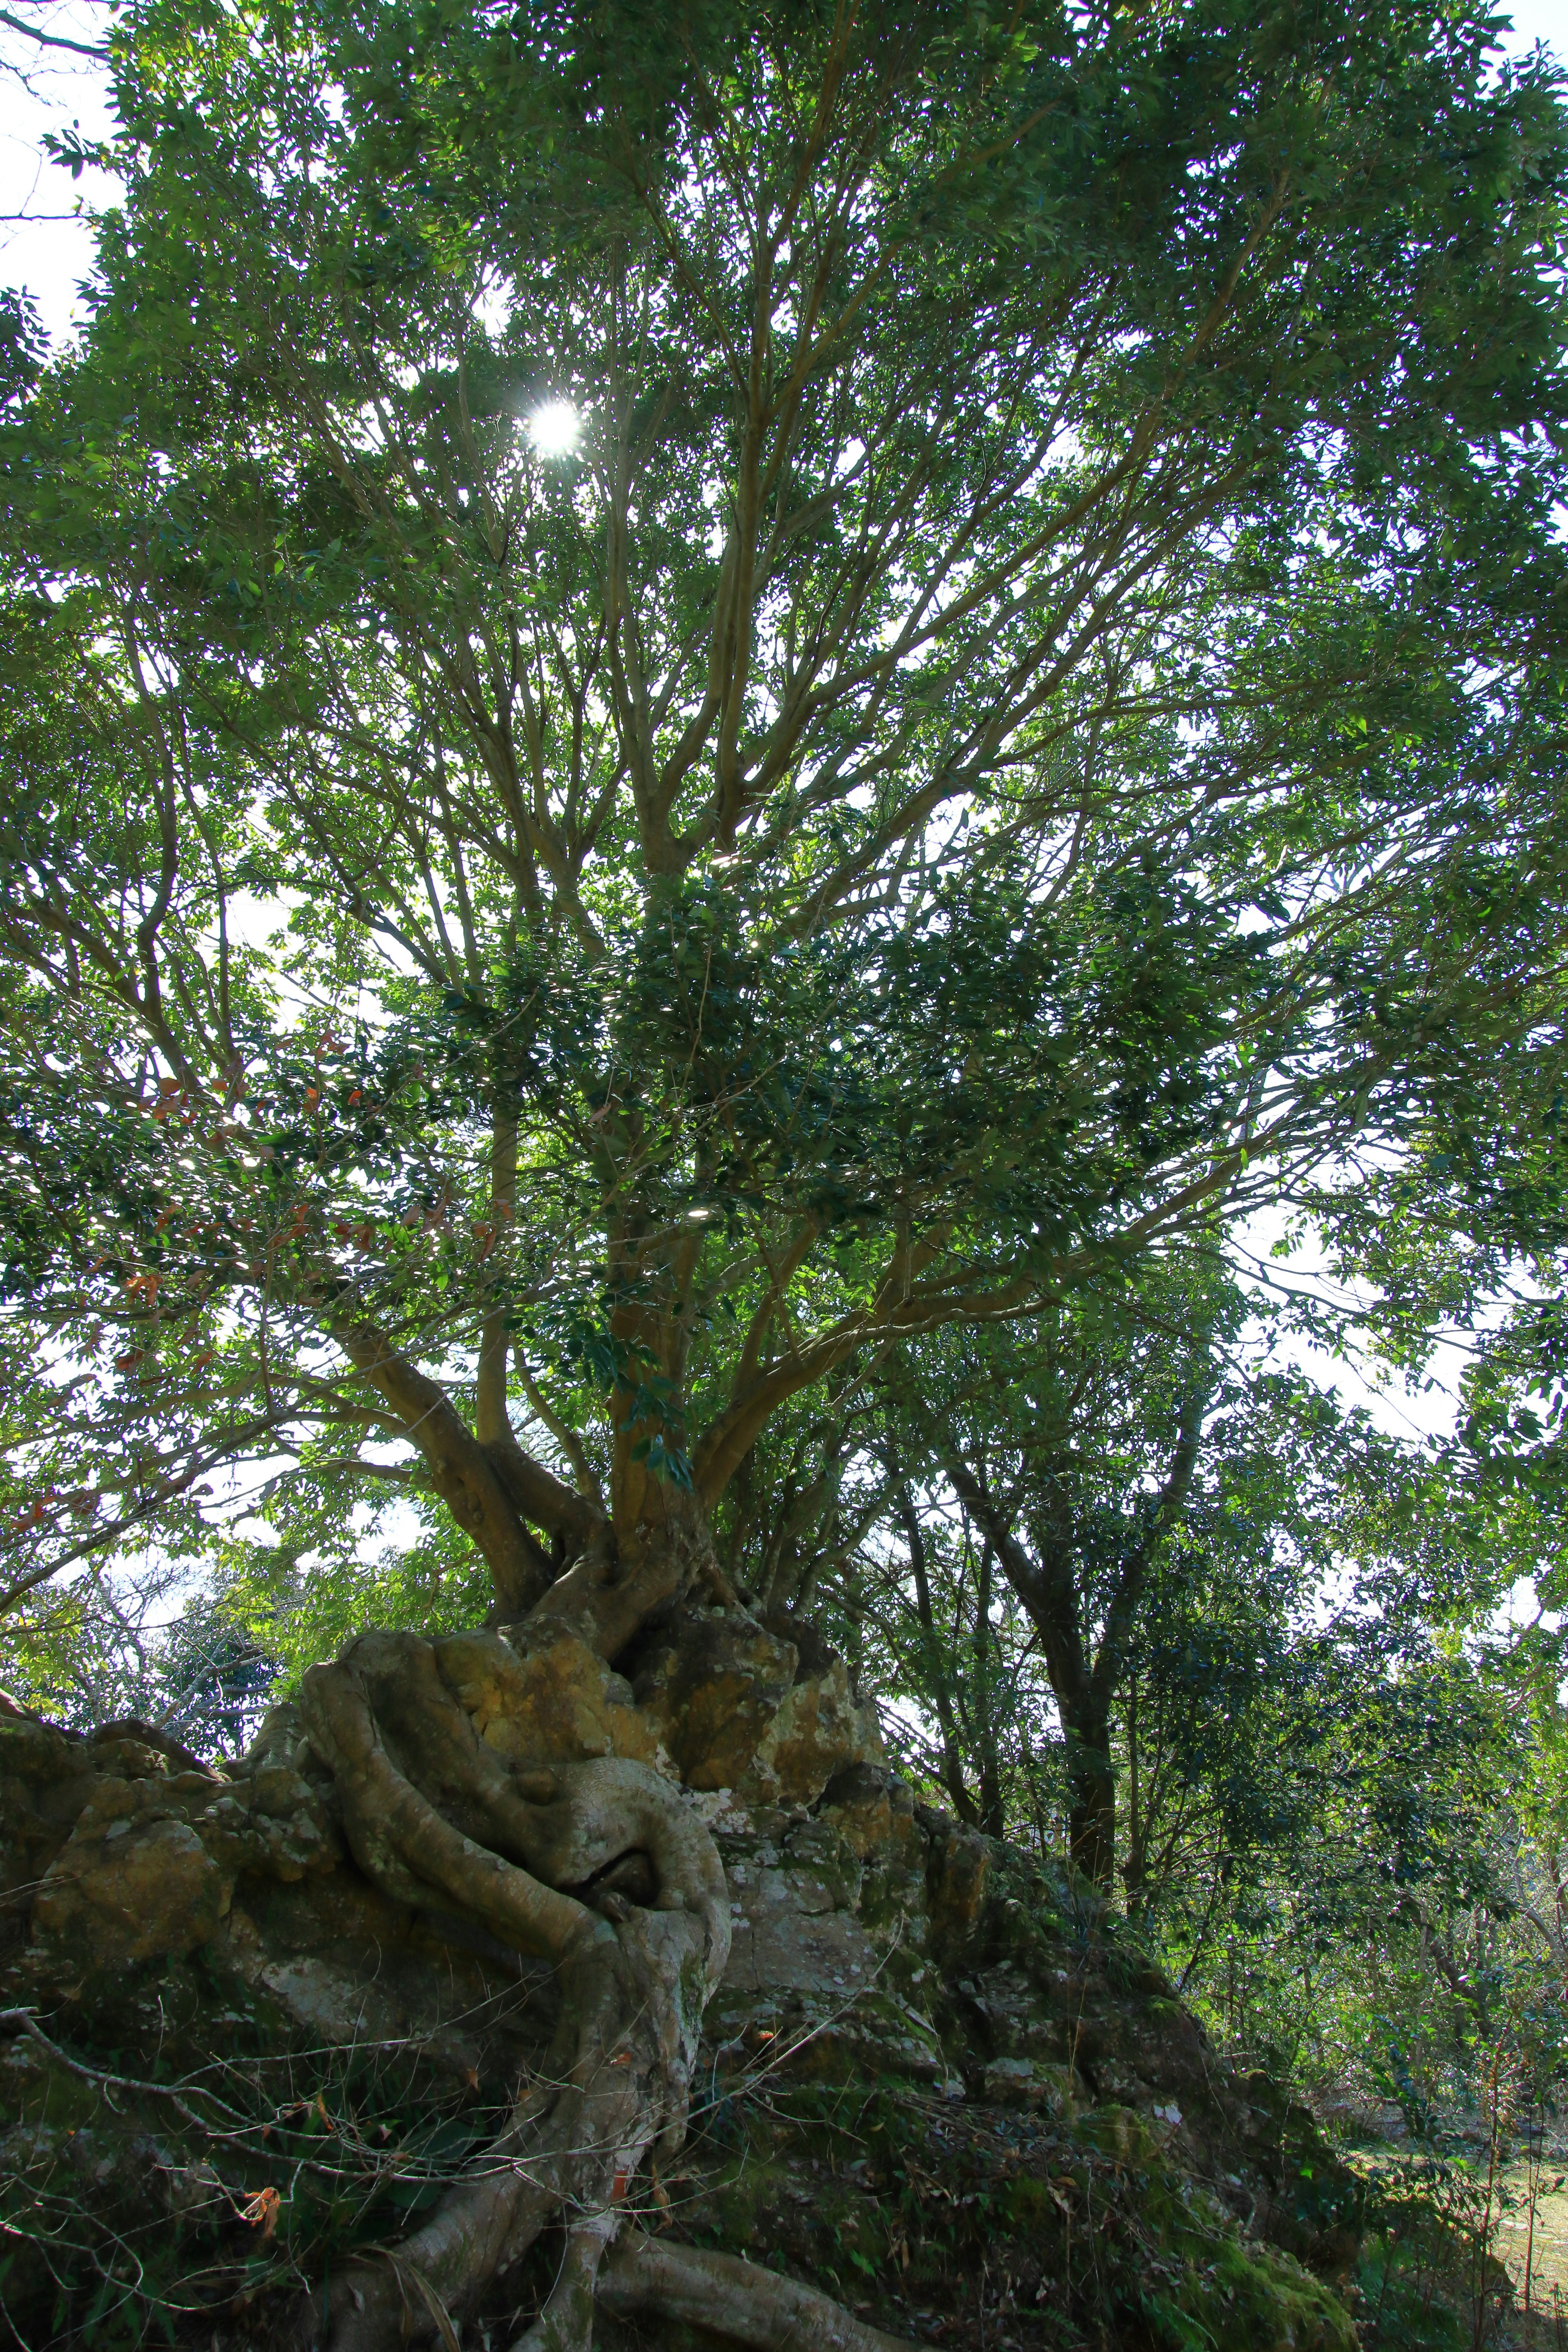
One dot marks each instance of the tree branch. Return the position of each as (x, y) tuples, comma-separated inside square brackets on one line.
[(465, 1474)]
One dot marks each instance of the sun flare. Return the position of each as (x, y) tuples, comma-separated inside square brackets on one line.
[(553, 429)]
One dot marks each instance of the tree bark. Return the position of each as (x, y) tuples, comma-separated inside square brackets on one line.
[(1091, 1805), (731, 2297), (462, 1471)]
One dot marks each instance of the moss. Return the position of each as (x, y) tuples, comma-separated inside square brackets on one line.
[(875, 2195), (877, 2037), (1031, 2205), (1212, 2290), (888, 1896), (1183, 2266), (1227, 2295), (734, 2202), (1028, 1919)]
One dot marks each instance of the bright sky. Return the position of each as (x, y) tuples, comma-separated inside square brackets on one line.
[(47, 254)]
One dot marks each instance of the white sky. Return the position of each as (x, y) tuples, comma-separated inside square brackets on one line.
[(49, 255), (1422, 1410)]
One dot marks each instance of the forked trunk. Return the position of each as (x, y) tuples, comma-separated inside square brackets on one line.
[(596, 1866)]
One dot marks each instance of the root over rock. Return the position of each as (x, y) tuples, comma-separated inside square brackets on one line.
[(441, 1947), (602, 1869)]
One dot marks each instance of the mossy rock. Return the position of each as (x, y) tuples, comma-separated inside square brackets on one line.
[(1209, 2288), (935, 2074), (1228, 2295)]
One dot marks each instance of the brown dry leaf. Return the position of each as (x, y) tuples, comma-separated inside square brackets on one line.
[(261, 2211)]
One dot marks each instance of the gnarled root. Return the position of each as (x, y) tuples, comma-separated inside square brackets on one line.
[(600, 1868), (436, 1818), (566, 2322), (733, 2298)]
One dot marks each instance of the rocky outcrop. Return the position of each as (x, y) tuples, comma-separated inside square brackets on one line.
[(551, 1700), (222, 2039), (741, 1708)]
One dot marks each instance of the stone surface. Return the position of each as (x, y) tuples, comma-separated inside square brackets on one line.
[(713, 1685), (128, 1885), (818, 1730), (1027, 2083), (862, 1802), (960, 1871), (559, 1703), (277, 1821)]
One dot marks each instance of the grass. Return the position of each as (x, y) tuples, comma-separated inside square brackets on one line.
[(1531, 2233)]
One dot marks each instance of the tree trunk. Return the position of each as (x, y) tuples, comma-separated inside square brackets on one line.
[(432, 1814), (1091, 1805), (596, 1866), (1134, 1867), (1085, 1677)]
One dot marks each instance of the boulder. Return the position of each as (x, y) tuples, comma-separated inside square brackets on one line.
[(712, 1686), (128, 1883), (819, 1731), (556, 1703)]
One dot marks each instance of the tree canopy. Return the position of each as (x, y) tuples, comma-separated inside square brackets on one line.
[(688, 693)]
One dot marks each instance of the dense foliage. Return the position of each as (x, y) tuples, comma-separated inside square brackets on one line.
[(1025, 716)]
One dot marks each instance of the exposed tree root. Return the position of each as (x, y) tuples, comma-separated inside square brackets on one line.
[(733, 2298), (437, 1818), (604, 1870), (566, 2322)]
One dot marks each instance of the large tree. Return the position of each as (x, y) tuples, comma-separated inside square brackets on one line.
[(690, 691)]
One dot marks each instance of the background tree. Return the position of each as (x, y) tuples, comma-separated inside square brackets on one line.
[(1072, 1447)]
